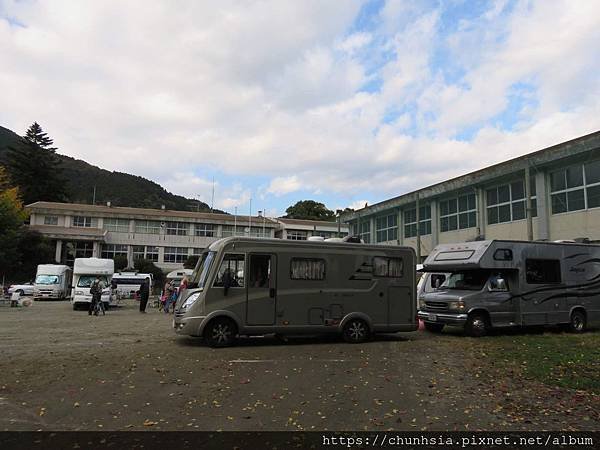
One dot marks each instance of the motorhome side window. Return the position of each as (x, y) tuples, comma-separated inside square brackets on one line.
[(437, 279), (307, 269), (388, 267), (231, 270), (541, 271)]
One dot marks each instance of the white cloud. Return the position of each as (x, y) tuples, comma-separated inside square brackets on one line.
[(272, 89)]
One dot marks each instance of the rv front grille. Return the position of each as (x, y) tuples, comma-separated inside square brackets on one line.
[(436, 305)]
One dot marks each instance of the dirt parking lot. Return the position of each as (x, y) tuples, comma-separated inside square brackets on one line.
[(64, 370)]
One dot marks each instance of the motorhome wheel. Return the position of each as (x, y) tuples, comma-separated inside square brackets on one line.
[(577, 324), (356, 331), (220, 332), (477, 325)]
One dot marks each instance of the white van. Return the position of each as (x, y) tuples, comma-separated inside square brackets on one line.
[(85, 272), (52, 281), (128, 283)]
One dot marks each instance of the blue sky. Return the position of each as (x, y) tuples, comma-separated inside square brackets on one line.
[(280, 101)]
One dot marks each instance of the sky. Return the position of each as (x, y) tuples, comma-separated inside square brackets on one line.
[(341, 101)]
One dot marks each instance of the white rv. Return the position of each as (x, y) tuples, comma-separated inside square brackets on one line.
[(85, 272), (52, 281), (128, 283)]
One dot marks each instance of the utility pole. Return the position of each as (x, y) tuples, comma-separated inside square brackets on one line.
[(212, 200), (94, 196), (418, 232), (250, 218), (235, 221)]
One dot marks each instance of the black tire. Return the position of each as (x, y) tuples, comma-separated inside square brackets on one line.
[(477, 325), (578, 322), (434, 327), (20, 292), (75, 308), (220, 332), (356, 331)]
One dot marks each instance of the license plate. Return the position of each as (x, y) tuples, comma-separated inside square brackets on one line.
[(432, 317)]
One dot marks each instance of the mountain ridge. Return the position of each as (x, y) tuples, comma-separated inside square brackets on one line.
[(120, 188)]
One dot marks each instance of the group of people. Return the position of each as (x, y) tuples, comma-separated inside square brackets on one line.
[(168, 297), (171, 292)]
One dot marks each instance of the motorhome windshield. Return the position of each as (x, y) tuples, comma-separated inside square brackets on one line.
[(201, 271), (85, 281), (47, 279), (469, 280)]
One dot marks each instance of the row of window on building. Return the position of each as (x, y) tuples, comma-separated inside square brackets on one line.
[(571, 189), (170, 254)]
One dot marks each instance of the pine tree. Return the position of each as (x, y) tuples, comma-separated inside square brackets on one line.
[(34, 167)]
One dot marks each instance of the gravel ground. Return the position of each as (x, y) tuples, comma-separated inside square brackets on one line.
[(64, 370)]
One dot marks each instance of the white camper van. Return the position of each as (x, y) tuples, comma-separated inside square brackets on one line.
[(85, 271), (128, 283), (52, 281)]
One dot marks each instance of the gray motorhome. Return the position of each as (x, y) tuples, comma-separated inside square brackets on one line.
[(254, 286), (513, 283)]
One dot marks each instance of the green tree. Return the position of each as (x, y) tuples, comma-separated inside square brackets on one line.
[(146, 266), (34, 167), (190, 263), (120, 262), (12, 217), (34, 249), (310, 210)]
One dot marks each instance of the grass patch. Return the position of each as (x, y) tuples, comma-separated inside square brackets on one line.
[(556, 359)]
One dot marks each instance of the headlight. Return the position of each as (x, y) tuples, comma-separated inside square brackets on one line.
[(456, 305), (421, 303), (191, 300), (79, 293)]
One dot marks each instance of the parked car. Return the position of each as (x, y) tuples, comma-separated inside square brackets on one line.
[(22, 289)]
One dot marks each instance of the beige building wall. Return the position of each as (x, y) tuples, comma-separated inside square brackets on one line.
[(426, 244), (571, 225), (451, 237), (511, 230)]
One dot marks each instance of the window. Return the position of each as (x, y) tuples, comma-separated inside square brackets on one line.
[(258, 232), (175, 254), (205, 229), (198, 251), (231, 230), (177, 228), (152, 253), (454, 256), (388, 267), (458, 213), (503, 254), (112, 250), (231, 271), (260, 271), (364, 231), (147, 226), (410, 221), (507, 203), (541, 271), (324, 234), (119, 225), (297, 235), (50, 220), (145, 252), (307, 269), (575, 188), (387, 228), (81, 221)]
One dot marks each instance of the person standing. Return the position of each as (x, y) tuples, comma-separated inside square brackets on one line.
[(96, 290), (144, 294)]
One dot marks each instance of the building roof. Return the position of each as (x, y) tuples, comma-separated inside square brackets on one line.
[(310, 223), (162, 213), (533, 160)]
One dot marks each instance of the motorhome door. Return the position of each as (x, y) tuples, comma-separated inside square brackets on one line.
[(261, 290)]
